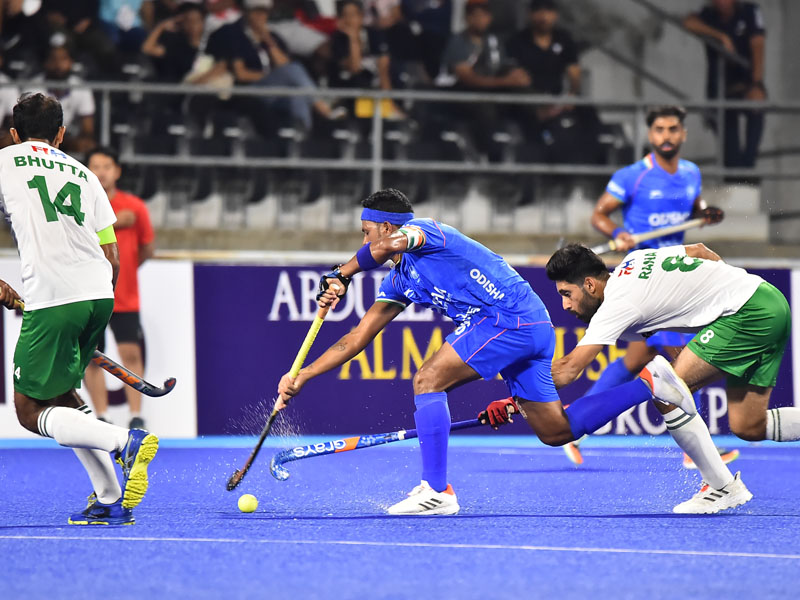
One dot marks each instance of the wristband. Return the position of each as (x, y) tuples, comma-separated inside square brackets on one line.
[(617, 231), (365, 260)]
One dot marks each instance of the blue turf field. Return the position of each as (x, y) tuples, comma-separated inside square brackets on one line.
[(531, 526)]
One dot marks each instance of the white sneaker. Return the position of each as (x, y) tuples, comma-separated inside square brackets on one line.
[(667, 386), (424, 500), (708, 500)]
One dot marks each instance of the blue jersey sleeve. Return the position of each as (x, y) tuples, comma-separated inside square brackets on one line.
[(389, 293), (424, 236), (621, 184)]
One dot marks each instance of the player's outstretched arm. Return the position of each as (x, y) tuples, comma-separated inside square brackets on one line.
[(567, 369), (376, 318)]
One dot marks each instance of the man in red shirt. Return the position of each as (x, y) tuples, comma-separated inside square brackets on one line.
[(135, 238)]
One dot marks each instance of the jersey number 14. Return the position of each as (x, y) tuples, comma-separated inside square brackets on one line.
[(57, 205)]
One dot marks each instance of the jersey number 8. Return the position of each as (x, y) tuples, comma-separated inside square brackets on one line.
[(679, 262)]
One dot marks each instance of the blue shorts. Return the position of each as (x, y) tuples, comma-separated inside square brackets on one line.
[(665, 339), (523, 356)]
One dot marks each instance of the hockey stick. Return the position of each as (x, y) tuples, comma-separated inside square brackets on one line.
[(126, 375), (239, 474), (611, 245), (280, 473)]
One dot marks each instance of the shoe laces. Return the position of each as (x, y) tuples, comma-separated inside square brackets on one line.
[(419, 489)]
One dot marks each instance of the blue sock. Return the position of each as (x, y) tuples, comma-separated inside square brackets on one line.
[(589, 413), (614, 374), (433, 428)]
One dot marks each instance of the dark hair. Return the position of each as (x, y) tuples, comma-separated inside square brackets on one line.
[(543, 5), (37, 116), (185, 7), (388, 200), (573, 263), (473, 5), (105, 151), (666, 110), (341, 4)]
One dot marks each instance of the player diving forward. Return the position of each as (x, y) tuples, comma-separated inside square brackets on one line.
[(63, 224), (502, 326), (742, 325)]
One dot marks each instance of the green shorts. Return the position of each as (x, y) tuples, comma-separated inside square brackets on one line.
[(749, 344), (56, 344)]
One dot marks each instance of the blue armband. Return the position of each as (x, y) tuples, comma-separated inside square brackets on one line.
[(365, 260), (617, 231)]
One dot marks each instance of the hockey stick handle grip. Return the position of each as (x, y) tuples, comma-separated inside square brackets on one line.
[(346, 444), (610, 246), (310, 337)]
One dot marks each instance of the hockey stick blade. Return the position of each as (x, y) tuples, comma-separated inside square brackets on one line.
[(280, 472), (239, 474), (131, 378)]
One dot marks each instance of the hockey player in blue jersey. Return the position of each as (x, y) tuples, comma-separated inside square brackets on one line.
[(658, 191), (502, 327)]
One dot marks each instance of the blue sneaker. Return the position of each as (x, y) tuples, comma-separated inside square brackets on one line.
[(97, 513), (134, 458)]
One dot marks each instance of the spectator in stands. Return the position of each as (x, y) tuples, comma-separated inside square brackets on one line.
[(548, 54), (77, 102), (127, 22), (739, 27), (258, 57), (360, 56), (175, 44), (136, 241), (78, 21), (475, 60), (305, 31), (430, 23)]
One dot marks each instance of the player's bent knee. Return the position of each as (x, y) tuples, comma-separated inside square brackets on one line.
[(749, 430), (425, 381), (27, 412), (555, 439)]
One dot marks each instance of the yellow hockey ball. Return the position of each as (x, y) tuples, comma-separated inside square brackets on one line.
[(248, 503)]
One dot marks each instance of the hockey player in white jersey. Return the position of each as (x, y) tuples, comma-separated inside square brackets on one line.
[(741, 325), (62, 222)]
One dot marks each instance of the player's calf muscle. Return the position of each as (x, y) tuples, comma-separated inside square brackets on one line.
[(548, 421)]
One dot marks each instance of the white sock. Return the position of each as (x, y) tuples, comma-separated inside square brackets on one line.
[(77, 428), (691, 434), (783, 424), (100, 467)]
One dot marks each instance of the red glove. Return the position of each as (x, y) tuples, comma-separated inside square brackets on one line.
[(499, 412)]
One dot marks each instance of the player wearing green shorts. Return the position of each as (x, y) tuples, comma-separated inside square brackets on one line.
[(742, 326), (63, 224)]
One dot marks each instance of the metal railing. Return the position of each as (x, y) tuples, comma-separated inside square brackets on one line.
[(376, 164)]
